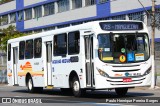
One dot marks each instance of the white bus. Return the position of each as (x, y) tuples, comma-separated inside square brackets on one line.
[(92, 56)]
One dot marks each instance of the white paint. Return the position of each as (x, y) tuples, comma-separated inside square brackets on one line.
[(31, 2), (8, 6), (75, 14), (124, 5)]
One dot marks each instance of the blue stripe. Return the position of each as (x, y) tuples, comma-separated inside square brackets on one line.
[(103, 9), (19, 24), (157, 39)]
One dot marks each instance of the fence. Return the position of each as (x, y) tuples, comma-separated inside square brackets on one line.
[(3, 68), (3, 76)]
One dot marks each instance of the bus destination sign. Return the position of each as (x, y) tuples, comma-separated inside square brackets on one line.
[(119, 26)]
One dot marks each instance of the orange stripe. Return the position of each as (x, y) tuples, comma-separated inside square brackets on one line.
[(9, 74)]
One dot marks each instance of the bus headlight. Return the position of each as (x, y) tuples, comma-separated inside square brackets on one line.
[(148, 71), (102, 73)]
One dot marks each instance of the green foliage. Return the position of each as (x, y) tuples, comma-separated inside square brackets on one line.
[(4, 1), (8, 33)]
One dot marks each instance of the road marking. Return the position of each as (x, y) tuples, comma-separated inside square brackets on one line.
[(106, 104), (17, 96)]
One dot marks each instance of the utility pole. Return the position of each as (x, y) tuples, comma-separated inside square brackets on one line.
[(153, 84)]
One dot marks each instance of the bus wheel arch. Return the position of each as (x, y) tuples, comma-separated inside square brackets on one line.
[(29, 83), (27, 78), (74, 83), (71, 76)]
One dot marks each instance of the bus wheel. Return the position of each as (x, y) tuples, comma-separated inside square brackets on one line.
[(77, 91), (30, 85), (121, 91)]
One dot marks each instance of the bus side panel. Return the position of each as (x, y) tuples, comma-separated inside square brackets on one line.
[(9, 73), (32, 67), (62, 67)]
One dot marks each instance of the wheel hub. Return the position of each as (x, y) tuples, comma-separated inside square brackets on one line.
[(76, 86), (30, 84)]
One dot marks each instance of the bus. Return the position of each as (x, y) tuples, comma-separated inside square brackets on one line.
[(98, 55)]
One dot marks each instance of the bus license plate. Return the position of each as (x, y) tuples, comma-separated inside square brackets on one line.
[(127, 80)]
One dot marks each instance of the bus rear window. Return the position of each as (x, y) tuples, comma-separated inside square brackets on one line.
[(29, 49), (37, 48), (21, 50)]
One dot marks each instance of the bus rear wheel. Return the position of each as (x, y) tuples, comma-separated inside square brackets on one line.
[(77, 91), (121, 91), (31, 87)]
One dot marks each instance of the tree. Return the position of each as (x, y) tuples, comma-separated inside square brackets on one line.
[(6, 34), (4, 1)]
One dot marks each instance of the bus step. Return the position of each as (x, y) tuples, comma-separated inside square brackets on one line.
[(49, 87)]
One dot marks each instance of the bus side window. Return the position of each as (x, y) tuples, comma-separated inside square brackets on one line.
[(9, 52), (60, 44), (73, 42), (21, 50), (29, 49), (37, 48)]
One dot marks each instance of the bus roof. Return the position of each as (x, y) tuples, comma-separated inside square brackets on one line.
[(84, 26)]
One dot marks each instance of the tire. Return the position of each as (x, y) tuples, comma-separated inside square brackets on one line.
[(77, 91), (31, 87), (121, 91)]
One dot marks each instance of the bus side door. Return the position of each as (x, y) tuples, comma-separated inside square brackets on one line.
[(89, 63), (49, 62), (15, 61)]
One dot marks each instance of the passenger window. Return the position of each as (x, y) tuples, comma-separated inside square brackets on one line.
[(60, 44), (9, 52), (37, 47), (29, 49), (21, 50), (73, 42)]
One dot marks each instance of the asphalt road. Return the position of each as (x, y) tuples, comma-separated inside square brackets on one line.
[(92, 98)]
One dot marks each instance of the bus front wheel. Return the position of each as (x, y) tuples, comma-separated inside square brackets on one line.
[(77, 91), (121, 91)]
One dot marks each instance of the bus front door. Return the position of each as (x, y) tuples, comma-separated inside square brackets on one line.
[(15, 61), (49, 62), (89, 60)]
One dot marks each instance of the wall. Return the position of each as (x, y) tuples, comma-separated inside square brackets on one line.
[(75, 14), (31, 2), (8, 7), (125, 5)]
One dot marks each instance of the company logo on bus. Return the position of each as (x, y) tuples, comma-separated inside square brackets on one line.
[(127, 74)]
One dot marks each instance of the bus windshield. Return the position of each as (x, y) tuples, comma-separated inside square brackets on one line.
[(123, 48)]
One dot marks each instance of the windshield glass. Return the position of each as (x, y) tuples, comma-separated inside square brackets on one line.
[(123, 48)]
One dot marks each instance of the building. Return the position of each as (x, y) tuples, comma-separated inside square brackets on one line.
[(42, 15)]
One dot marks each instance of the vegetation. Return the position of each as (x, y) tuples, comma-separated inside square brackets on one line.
[(4, 1), (6, 34)]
